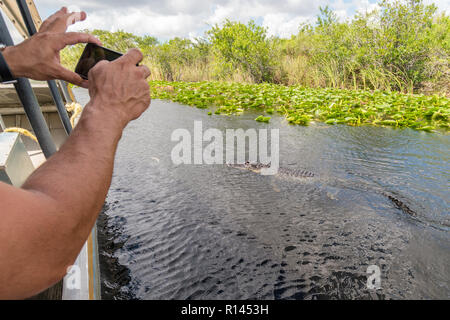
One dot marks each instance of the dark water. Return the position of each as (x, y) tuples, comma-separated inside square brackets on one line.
[(213, 232)]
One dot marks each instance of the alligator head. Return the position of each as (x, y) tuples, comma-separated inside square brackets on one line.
[(282, 172), (251, 166)]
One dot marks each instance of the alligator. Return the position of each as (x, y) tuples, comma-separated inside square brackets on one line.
[(282, 172), (304, 174)]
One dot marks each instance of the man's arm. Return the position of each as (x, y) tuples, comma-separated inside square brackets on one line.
[(44, 225)]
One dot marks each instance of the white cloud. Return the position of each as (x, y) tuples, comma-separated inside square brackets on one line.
[(443, 5), (166, 19), (282, 24), (141, 22)]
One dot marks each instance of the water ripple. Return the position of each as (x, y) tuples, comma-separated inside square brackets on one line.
[(213, 232)]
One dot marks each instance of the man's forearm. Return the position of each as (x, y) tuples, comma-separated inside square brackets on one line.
[(66, 194), (79, 175)]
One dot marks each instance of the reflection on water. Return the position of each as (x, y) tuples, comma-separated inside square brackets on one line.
[(214, 232)]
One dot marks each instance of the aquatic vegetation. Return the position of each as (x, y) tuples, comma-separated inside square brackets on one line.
[(263, 119), (301, 105)]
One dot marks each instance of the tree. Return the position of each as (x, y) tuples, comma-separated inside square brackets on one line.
[(244, 47), (405, 44), (173, 55)]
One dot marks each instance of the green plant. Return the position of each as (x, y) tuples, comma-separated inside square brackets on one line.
[(245, 47), (301, 106)]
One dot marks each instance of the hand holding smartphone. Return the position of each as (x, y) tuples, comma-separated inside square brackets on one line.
[(92, 55)]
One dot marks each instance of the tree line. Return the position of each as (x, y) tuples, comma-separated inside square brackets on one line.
[(402, 46)]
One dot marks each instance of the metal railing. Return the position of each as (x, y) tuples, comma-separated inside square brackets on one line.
[(2, 124), (30, 102), (25, 11), (27, 96)]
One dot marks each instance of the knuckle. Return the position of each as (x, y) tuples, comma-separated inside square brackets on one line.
[(44, 26), (101, 64), (99, 67), (144, 71), (43, 35), (137, 52)]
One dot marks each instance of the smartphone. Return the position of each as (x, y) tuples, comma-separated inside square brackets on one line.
[(93, 54)]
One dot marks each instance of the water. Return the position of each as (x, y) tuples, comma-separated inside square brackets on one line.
[(213, 232)]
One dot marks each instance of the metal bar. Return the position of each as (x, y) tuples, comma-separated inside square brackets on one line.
[(65, 91), (60, 106), (30, 22), (29, 102), (26, 15), (35, 116), (2, 124), (19, 110), (13, 13)]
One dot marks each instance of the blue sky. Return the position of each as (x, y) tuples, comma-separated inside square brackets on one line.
[(166, 19)]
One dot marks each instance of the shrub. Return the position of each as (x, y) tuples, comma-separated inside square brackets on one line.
[(237, 46)]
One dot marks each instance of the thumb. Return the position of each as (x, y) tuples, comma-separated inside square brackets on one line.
[(70, 76)]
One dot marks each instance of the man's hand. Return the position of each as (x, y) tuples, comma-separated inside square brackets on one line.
[(61, 20), (119, 88), (38, 57)]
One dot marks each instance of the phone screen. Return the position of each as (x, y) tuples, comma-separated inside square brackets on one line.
[(93, 54)]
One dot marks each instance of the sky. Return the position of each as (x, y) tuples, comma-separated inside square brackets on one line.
[(166, 19)]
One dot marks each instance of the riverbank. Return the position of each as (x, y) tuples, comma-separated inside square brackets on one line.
[(301, 105)]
